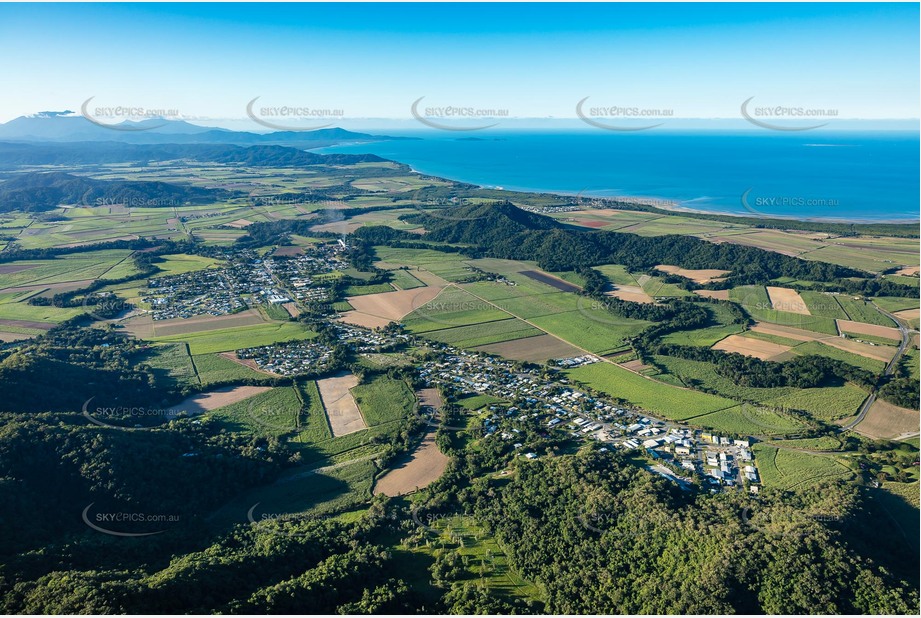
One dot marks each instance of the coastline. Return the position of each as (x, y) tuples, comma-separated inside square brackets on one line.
[(670, 205)]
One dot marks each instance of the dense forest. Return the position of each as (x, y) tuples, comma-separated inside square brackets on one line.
[(41, 191)]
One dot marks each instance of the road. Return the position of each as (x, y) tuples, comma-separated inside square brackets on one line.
[(905, 333)]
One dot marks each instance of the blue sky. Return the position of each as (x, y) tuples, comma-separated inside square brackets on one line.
[(374, 60)]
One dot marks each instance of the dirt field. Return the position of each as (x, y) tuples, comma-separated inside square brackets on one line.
[(536, 349), (879, 352), (765, 350), (246, 362), (240, 223), (908, 271), (341, 409), (885, 420), (424, 466), (289, 250), (860, 328), (337, 227), (8, 337), (699, 276), (27, 324), (789, 332), (429, 397), (50, 288), (785, 299), (632, 293), (8, 269), (548, 279), (635, 366), (908, 314), (203, 402), (145, 326), (717, 294), (292, 309), (374, 310)]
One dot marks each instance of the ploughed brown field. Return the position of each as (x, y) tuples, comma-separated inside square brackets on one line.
[(341, 409), (631, 293), (717, 294), (547, 279), (878, 352), (887, 332), (374, 310), (424, 466), (785, 299), (204, 402), (635, 366), (704, 275), (535, 349), (885, 420), (145, 326), (765, 350)]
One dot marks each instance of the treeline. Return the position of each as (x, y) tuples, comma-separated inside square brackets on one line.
[(809, 371), (601, 536), (505, 231)]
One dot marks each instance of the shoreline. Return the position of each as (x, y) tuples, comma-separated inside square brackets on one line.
[(669, 205)]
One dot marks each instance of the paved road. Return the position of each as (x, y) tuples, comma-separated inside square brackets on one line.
[(905, 333)]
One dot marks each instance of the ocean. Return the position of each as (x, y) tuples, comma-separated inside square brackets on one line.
[(840, 176)]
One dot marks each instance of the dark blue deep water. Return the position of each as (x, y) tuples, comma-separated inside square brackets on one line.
[(856, 176)]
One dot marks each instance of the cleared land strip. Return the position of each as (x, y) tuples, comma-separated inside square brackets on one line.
[(874, 330), (785, 299)]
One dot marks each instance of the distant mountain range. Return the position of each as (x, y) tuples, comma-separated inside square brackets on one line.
[(14, 154), (66, 127)]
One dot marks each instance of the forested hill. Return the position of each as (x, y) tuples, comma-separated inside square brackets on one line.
[(91, 153), (40, 191), (504, 230)]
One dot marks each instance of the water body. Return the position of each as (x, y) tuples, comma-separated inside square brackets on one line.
[(812, 175)]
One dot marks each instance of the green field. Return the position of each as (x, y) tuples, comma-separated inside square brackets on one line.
[(361, 290), (228, 339), (171, 361), (384, 400), (827, 404), (594, 329), (821, 403), (181, 263), (785, 469), (667, 401), (404, 280), (215, 368), (483, 334), (77, 267), (862, 311), (449, 266), (452, 307), (272, 413), (748, 420), (755, 301), (475, 402)]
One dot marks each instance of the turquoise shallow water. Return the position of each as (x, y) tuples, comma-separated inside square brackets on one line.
[(855, 176)]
